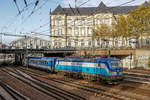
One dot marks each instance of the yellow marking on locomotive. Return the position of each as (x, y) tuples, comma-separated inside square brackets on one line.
[(85, 82)]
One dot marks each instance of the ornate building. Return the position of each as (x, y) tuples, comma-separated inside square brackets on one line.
[(73, 26), (30, 43)]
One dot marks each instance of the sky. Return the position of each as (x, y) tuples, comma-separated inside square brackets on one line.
[(12, 23)]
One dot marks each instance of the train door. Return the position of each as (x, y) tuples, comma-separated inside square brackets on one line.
[(98, 71), (80, 70), (53, 65)]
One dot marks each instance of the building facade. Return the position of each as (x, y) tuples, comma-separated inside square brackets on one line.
[(30, 43), (74, 26)]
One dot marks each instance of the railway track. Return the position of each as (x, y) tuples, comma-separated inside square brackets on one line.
[(8, 93), (142, 71), (137, 77), (48, 89), (102, 90)]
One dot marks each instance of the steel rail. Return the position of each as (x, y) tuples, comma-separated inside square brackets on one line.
[(62, 95), (16, 95)]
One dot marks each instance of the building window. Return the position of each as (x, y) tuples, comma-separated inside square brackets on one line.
[(147, 42), (89, 31), (76, 43), (54, 23), (107, 44), (69, 23), (55, 32), (102, 43), (83, 22), (76, 31), (59, 44), (89, 43), (76, 22), (123, 42), (59, 31), (106, 21), (82, 31), (98, 22), (82, 43), (98, 42), (69, 31), (59, 23), (55, 43), (89, 22), (116, 42), (69, 43)]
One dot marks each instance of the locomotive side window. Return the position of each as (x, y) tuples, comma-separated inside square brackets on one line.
[(99, 64)]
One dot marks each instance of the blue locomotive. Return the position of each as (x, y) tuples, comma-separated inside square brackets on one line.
[(106, 69)]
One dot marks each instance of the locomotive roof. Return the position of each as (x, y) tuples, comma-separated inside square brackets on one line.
[(43, 57), (78, 59), (93, 60), (107, 59)]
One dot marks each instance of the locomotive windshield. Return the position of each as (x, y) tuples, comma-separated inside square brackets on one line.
[(115, 63)]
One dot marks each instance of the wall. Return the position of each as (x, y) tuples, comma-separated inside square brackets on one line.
[(142, 57)]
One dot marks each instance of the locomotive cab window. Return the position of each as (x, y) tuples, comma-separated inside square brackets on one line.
[(115, 63)]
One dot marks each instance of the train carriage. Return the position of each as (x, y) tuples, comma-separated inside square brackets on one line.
[(45, 63)]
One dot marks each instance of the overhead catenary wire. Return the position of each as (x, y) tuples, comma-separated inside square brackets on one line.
[(25, 8), (44, 31), (41, 26), (34, 10), (84, 3), (35, 5), (25, 2), (16, 5), (127, 2)]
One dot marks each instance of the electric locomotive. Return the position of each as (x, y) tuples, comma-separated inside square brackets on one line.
[(104, 69)]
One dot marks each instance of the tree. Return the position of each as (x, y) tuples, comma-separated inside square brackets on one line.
[(122, 27), (140, 23), (103, 31), (136, 24)]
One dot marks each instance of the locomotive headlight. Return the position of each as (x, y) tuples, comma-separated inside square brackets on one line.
[(112, 73)]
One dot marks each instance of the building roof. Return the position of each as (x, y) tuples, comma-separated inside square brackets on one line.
[(102, 8), (26, 38)]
